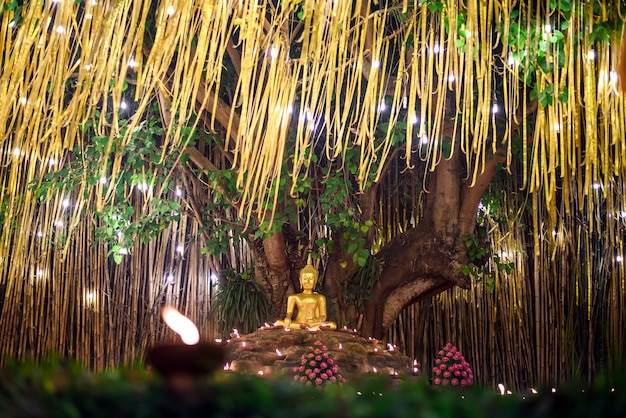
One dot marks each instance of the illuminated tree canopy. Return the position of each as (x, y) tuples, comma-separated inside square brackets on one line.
[(285, 123)]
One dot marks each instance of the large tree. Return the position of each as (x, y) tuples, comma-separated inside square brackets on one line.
[(362, 133)]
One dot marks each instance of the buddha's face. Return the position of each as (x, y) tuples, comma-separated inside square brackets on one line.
[(307, 281)]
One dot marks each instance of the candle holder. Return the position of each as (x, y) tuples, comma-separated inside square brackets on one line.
[(313, 330), (188, 360), (325, 327), (287, 330), (245, 347), (377, 352)]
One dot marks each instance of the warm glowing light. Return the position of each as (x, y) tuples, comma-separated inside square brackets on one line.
[(180, 324), (436, 48), (451, 78), (413, 119), (103, 180), (17, 152), (170, 10), (273, 52), (375, 64), (501, 387), (591, 54), (374, 369), (65, 203), (60, 29), (23, 100), (132, 63), (123, 105), (495, 108), (533, 390), (180, 249), (618, 259)]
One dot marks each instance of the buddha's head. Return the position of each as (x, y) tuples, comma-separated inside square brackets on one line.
[(308, 277)]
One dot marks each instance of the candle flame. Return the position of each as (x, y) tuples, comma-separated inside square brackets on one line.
[(278, 353), (501, 387), (374, 369), (226, 366), (180, 324), (340, 346)]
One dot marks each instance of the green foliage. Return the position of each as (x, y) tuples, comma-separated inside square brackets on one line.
[(362, 281), (478, 268), (240, 303), (61, 389), (143, 167)]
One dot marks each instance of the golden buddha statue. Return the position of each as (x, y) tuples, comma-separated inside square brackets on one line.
[(311, 306)]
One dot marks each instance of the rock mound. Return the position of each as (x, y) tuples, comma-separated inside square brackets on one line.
[(354, 355)]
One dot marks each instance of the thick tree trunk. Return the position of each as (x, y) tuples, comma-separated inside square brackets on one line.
[(416, 265)]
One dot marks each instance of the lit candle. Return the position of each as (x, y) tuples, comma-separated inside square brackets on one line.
[(416, 370), (391, 348), (245, 347), (287, 330), (312, 330), (279, 355), (340, 347), (394, 375)]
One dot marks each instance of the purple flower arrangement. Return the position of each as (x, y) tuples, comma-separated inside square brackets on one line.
[(317, 368), (451, 368)]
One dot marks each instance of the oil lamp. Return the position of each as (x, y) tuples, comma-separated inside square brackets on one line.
[(190, 357)]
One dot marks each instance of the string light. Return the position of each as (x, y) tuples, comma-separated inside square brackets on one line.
[(451, 78), (591, 54), (375, 64), (23, 100), (413, 119), (60, 29), (170, 10)]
